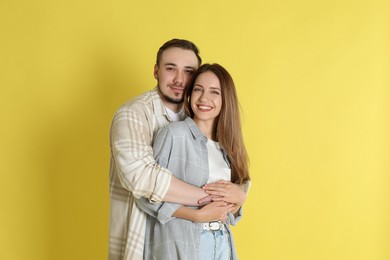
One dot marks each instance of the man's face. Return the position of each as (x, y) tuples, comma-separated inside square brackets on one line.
[(174, 73)]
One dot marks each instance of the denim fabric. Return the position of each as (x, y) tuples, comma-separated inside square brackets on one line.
[(214, 245), (181, 148)]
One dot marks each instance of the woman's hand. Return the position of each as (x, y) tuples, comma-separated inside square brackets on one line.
[(228, 192), (216, 210)]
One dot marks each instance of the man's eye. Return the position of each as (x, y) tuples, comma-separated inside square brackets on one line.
[(189, 72)]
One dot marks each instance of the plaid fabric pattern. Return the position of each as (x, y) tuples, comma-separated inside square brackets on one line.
[(134, 172)]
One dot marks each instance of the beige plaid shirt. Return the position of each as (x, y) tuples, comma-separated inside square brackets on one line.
[(134, 172)]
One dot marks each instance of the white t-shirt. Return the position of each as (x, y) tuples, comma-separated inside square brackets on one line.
[(218, 168), (179, 116)]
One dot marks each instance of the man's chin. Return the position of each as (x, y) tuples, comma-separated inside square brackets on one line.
[(176, 101)]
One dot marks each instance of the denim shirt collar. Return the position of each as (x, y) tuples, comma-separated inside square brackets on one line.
[(196, 133)]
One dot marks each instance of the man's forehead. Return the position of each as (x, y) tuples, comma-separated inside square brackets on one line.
[(179, 57)]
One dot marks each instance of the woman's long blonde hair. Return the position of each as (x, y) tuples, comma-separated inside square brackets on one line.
[(228, 124)]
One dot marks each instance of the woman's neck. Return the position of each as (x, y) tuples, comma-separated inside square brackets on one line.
[(206, 127)]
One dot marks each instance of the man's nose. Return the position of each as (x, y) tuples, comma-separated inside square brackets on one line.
[(179, 78)]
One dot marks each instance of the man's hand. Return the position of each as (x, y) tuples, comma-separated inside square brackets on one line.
[(206, 200)]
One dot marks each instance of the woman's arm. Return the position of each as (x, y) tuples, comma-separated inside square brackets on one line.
[(137, 170), (164, 212), (217, 210)]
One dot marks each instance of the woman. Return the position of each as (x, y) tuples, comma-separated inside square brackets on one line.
[(207, 147)]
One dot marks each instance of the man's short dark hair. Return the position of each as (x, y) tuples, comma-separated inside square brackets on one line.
[(179, 43)]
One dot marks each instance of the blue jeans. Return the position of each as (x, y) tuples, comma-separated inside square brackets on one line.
[(214, 245)]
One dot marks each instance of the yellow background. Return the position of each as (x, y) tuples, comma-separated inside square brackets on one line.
[(314, 85)]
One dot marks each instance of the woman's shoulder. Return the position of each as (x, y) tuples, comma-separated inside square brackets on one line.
[(188, 128), (177, 128), (178, 125)]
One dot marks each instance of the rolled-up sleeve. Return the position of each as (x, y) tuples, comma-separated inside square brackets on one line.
[(232, 219), (163, 212)]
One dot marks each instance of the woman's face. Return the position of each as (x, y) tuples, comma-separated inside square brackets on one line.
[(206, 97)]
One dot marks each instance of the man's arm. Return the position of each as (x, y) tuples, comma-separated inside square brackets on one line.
[(185, 194), (135, 167)]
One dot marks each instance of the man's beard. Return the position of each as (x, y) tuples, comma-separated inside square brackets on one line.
[(177, 101)]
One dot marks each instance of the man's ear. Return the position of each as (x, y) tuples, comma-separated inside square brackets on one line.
[(155, 71)]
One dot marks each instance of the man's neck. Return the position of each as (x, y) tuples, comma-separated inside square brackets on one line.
[(175, 116), (174, 107)]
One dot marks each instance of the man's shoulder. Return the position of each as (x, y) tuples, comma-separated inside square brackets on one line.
[(141, 102)]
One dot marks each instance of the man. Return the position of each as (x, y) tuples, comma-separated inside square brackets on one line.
[(133, 171)]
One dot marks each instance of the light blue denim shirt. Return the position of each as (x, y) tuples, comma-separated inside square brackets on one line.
[(181, 148)]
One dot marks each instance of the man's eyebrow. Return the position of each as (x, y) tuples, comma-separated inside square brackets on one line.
[(170, 64), (174, 65)]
